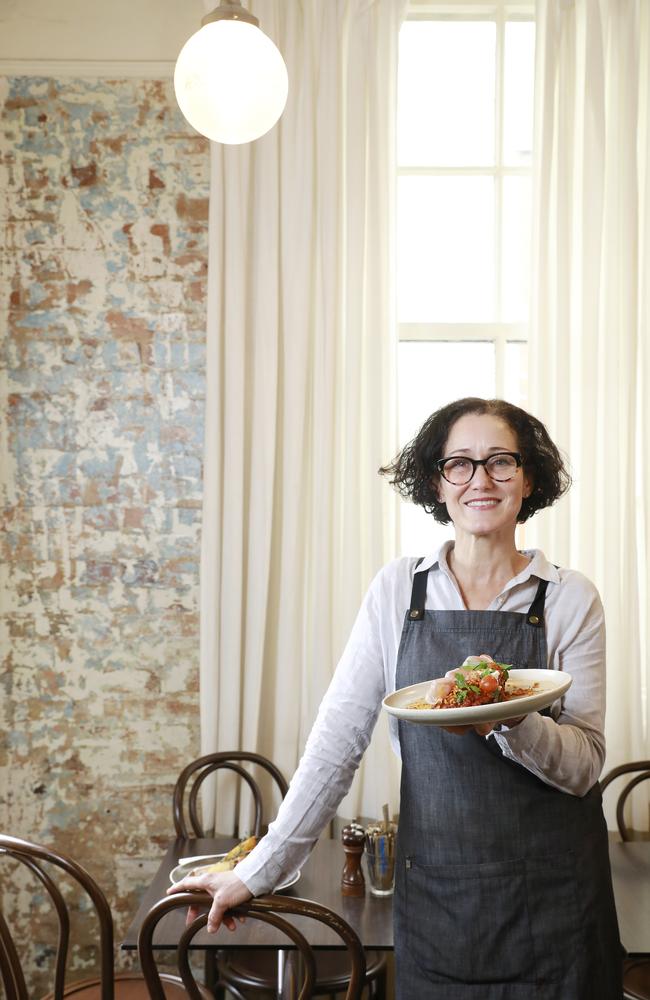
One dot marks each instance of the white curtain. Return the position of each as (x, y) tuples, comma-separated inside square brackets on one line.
[(590, 359), (300, 387)]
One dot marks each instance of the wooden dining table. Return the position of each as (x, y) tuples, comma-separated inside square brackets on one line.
[(320, 880), (370, 916)]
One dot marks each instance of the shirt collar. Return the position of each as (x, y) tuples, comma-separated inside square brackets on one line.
[(438, 560), (538, 566)]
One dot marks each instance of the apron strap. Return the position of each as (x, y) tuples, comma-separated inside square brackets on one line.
[(535, 613), (418, 593)]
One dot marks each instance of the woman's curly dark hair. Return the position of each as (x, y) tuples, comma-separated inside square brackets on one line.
[(415, 476)]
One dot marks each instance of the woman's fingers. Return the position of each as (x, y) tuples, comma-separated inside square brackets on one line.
[(192, 913), (217, 916), (482, 730), (191, 883), (226, 890), (511, 723)]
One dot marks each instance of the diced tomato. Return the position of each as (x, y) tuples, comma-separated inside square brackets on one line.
[(489, 684)]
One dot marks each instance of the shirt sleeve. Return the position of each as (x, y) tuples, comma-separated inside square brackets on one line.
[(567, 749), (339, 737)]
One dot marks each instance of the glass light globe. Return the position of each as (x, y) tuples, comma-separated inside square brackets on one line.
[(231, 81)]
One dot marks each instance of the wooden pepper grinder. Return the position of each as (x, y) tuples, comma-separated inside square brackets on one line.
[(352, 881)]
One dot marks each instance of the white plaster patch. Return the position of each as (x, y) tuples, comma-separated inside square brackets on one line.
[(77, 231)]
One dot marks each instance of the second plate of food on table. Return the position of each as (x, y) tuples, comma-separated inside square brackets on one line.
[(202, 864)]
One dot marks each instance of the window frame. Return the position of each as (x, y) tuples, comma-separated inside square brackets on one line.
[(498, 333)]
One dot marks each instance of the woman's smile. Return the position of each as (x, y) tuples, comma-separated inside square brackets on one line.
[(482, 502)]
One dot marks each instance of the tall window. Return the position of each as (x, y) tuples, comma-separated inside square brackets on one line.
[(465, 115)]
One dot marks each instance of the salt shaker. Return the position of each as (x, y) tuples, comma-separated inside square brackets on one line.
[(352, 881)]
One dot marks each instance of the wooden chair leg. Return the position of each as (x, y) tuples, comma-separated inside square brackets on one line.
[(211, 967), (378, 986)]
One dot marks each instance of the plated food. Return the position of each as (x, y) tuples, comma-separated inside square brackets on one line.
[(415, 704), (222, 863), (479, 680), (226, 862)]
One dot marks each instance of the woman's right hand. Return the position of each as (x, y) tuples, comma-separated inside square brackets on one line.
[(226, 890)]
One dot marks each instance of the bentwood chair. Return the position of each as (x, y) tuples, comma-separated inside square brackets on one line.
[(641, 770), (636, 979), (255, 971), (270, 910), (55, 874), (636, 971), (251, 768)]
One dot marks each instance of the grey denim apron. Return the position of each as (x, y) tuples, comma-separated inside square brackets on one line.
[(503, 887)]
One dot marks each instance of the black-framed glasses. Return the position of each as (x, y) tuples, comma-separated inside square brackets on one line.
[(459, 470)]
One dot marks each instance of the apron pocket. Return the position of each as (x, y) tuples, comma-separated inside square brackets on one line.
[(553, 907), (500, 922)]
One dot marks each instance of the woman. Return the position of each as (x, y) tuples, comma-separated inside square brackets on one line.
[(503, 888)]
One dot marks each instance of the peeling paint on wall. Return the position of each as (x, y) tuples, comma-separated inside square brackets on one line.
[(103, 264)]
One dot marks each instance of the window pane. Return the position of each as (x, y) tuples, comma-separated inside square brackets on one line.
[(446, 93), (516, 249), (445, 249), (519, 74), (431, 374)]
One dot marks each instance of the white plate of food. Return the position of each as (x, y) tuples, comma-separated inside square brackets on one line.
[(192, 866), (543, 687), (197, 866), (202, 863)]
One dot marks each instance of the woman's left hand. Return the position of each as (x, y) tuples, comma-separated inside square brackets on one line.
[(484, 729)]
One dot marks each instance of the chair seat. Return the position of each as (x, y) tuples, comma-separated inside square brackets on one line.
[(636, 978), (130, 986), (257, 970)]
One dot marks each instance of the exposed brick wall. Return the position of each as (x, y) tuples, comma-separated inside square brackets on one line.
[(103, 260)]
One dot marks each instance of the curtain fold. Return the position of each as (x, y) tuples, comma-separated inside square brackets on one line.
[(589, 367), (300, 408)]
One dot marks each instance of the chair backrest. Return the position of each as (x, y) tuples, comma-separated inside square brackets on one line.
[(271, 910), (43, 863), (187, 822), (641, 768)]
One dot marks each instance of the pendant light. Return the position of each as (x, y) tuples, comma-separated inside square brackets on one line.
[(230, 79)]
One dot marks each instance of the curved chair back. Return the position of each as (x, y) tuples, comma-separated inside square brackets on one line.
[(185, 804), (641, 770), (47, 866), (271, 910), (38, 859), (636, 978)]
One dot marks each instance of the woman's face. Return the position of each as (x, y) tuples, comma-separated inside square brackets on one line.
[(483, 506)]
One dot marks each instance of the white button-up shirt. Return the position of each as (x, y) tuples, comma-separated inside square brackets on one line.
[(565, 750)]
